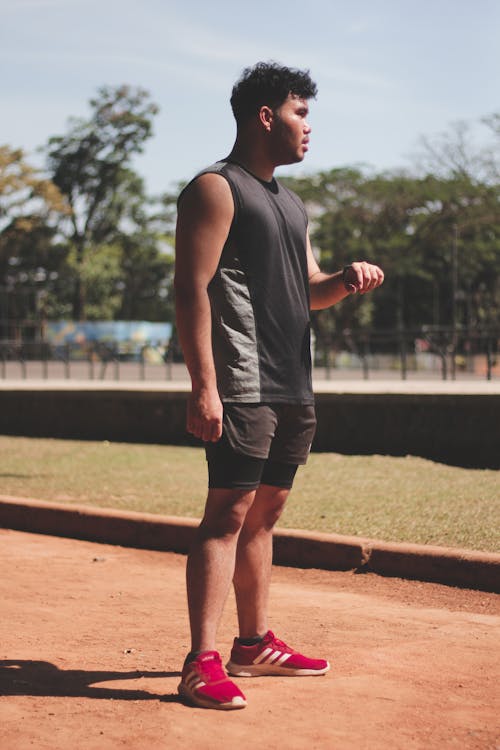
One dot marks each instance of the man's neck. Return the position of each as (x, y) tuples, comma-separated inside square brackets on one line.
[(253, 162)]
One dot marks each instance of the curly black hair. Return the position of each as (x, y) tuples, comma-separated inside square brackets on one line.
[(268, 83)]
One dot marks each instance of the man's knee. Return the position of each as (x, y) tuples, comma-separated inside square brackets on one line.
[(225, 512), (267, 508)]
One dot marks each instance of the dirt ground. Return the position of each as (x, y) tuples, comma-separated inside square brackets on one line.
[(92, 638)]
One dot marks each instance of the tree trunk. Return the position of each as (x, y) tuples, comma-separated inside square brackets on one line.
[(80, 289)]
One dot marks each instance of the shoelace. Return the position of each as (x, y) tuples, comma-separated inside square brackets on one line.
[(281, 644), (212, 670)]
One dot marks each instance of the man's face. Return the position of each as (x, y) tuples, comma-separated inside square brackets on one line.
[(290, 130)]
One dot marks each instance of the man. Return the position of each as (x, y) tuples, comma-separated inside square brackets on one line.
[(245, 281)]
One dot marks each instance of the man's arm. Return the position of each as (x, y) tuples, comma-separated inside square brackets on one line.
[(204, 218), (328, 289)]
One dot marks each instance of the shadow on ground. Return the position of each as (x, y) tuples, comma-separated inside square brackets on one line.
[(25, 677)]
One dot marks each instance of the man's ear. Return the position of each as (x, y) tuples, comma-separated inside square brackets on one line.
[(266, 117)]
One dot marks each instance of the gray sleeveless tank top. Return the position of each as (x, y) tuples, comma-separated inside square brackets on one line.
[(259, 295)]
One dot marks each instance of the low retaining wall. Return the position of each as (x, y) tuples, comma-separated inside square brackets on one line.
[(460, 429), (453, 428), (295, 548)]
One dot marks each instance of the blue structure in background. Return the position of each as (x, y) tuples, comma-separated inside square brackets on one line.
[(127, 339)]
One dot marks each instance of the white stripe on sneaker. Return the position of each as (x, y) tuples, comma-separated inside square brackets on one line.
[(274, 656), (268, 656), (283, 659), (194, 678), (263, 656)]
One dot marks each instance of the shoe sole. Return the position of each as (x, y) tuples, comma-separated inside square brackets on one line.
[(262, 670), (185, 692)]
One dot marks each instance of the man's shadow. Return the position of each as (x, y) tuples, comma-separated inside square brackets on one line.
[(24, 677)]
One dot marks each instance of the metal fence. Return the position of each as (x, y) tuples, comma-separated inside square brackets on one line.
[(435, 351), (424, 353), (96, 361)]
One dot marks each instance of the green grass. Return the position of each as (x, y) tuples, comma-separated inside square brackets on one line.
[(394, 499)]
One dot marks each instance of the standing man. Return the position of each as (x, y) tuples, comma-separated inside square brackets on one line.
[(245, 282)]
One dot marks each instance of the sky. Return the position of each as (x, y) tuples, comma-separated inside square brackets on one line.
[(388, 72)]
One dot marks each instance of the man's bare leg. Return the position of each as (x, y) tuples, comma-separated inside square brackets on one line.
[(254, 555), (211, 562)]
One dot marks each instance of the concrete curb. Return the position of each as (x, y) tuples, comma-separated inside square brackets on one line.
[(296, 548)]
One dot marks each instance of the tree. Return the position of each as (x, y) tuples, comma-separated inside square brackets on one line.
[(337, 221), (91, 167), (147, 261), (435, 235), (469, 226), (31, 207), (453, 154)]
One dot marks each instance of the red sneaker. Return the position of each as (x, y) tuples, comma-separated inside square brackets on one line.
[(205, 684), (272, 657)]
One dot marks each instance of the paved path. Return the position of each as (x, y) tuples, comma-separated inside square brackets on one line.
[(472, 386), (92, 637)]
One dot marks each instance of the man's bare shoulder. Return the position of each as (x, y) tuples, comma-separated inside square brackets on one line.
[(205, 213), (209, 191)]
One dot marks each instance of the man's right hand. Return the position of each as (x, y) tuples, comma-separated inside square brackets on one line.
[(204, 415)]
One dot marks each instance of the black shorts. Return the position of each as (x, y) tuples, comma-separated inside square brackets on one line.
[(260, 444)]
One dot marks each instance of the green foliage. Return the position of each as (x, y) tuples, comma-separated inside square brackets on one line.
[(30, 208), (147, 272), (26, 196), (436, 235), (101, 274), (90, 243), (91, 166)]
